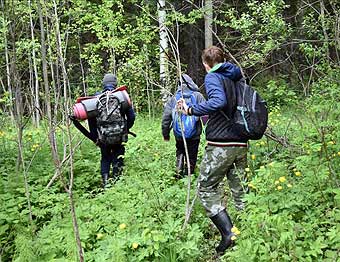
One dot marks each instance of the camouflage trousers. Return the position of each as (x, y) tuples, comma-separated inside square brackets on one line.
[(217, 163)]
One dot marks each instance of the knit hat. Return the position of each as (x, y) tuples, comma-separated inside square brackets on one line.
[(109, 80)]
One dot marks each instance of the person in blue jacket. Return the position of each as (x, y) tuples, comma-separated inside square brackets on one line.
[(110, 154), (226, 152), (188, 87)]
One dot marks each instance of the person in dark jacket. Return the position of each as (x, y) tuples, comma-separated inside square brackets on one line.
[(110, 154), (188, 87), (226, 152)]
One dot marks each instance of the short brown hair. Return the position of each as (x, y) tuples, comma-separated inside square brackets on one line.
[(212, 56)]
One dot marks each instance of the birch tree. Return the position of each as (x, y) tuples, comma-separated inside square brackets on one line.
[(208, 17), (35, 89), (163, 47)]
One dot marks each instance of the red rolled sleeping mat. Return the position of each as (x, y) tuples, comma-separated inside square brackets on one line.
[(86, 107)]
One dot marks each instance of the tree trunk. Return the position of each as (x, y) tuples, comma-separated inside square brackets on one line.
[(208, 18), (9, 86), (51, 130), (163, 48), (66, 107), (36, 109)]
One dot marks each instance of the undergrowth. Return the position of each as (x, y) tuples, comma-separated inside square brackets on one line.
[(292, 213)]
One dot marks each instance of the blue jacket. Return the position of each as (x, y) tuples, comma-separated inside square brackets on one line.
[(188, 86), (217, 98), (217, 106)]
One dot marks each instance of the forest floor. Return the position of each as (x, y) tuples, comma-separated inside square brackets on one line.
[(141, 217)]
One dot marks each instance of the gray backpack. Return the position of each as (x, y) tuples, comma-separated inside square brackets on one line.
[(250, 114), (111, 124)]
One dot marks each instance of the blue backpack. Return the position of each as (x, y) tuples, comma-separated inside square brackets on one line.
[(189, 122)]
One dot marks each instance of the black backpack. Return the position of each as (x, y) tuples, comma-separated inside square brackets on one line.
[(250, 114), (111, 124)]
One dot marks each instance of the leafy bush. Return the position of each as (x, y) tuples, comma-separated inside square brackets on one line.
[(276, 92)]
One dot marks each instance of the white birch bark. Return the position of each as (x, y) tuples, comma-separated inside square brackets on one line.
[(163, 47), (208, 18)]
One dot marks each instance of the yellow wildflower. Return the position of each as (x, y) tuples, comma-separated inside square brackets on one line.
[(279, 187), (250, 185), (134, 245), (100, 236), (122, 226), (277, 182), (298, 173), (339, 153), (289, 185), (247, 169), (233, 238), (253, 157), (235, 230), (282, 179)]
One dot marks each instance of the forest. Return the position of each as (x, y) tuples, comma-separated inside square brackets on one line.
[(53, 207)]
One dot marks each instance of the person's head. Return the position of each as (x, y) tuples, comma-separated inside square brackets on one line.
[(212, 56), (109, 82)]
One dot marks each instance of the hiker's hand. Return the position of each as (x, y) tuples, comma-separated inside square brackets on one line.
[(181, 105)]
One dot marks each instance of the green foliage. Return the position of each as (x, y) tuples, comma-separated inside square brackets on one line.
[(276, 92), (292, 209), (124, 44), (261, 27), (134, 220)]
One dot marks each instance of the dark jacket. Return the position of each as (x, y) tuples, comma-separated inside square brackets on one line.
[(217, 106), (188, 86)]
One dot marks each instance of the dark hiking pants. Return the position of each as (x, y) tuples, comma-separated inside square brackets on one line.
[(113, 154), (192, 145)]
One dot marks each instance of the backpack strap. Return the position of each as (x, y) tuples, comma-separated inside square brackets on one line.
[(190, 95), (178, 95)]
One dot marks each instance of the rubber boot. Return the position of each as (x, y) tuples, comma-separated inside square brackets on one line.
[(224, 225), (179, 166), (117, 171), (105, 177)]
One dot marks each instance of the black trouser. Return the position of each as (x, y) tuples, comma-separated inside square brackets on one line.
[(113, 154), (192, 145)]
